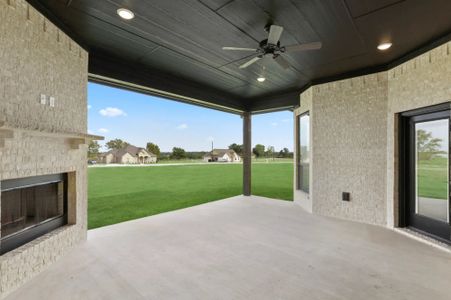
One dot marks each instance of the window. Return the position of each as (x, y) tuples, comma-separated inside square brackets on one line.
[(303, 152)]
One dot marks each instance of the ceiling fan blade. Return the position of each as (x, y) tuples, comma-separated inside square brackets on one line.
[(303, 47), (239, 49), (274, 34), (250, 62), (282, 61)]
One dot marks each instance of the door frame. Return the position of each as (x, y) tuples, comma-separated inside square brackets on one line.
[(405, 170)]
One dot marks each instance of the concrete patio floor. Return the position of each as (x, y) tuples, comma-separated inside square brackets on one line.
[(245, 248)]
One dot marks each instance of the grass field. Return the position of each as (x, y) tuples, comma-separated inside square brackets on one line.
[(433, 178), (119, 194)]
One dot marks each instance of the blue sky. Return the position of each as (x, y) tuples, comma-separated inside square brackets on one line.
[(138, 119)]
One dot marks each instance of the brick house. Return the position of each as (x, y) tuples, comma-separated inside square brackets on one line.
[(222, 155), (128, 155)]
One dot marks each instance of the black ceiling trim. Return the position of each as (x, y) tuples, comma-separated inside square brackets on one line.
[(219, 15), (348, 75), (352, 20), (222, 6), (431, 44), (271, 110), (307, 19), (108, 67), (374, 10), (148, 91), (285, 100), (42, 9), (381, 68)]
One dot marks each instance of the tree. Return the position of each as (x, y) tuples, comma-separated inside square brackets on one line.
[(270, 151), (178, 153), (116, 144), (153, 148), (259, 150), (195, 155), (427, 146), (93, 149), (237, 148), (284, 153)]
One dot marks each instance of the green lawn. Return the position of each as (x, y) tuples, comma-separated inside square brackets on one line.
[(118, 194), (433, 178)]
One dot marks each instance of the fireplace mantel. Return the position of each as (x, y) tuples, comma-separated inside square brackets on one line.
[(73, 139)]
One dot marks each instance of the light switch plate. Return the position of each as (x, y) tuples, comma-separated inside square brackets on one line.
[(43, 99), (52, 101)]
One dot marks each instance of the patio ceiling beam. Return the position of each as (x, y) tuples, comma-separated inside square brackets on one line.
[(276, 102), (109, 71)]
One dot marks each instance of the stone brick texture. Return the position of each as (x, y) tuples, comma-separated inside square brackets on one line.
[(354, 134), (37, 58)]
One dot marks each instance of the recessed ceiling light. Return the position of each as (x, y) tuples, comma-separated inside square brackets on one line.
[(125, 13), (384, 46), (261, 79)]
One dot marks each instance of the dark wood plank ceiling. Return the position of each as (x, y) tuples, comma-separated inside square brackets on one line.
[(175, 45)]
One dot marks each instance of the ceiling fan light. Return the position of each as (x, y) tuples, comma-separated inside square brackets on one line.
[(384, 46), (125, 13), (261, 79)]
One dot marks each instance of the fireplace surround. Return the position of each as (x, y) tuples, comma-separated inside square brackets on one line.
[(30, 208)]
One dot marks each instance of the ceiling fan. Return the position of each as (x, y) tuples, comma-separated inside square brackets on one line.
[(271, 46)]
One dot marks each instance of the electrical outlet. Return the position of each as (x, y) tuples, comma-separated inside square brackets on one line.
[(43, 99), (52, 101), (346, 196)]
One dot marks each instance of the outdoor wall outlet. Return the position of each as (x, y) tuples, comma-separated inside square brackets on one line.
[(52, 101), (43, 99), (345, 196)]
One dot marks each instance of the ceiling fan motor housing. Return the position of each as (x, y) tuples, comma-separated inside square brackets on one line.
[(266, 48)]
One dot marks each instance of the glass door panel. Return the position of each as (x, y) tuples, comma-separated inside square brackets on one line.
[(432, 169), (424, 169)]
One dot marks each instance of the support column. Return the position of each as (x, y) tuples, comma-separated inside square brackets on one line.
[(247, 153)]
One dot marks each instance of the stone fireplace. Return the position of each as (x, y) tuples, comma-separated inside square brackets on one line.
[(43, 143)]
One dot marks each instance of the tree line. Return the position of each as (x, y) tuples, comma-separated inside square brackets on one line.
[(260, 151), (179, 153)]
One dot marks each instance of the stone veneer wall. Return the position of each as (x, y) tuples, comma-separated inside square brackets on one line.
[(422, 81), (348, 126), (354, 134), (37, 58)]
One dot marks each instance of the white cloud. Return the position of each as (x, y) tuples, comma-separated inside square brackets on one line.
[(90, 131), (287, 120), (274, 124), (89, 106), (103, 130), (182, 126), (112, 112)]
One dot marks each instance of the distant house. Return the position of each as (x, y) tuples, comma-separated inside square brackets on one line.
[(222, 155), (128, 155)]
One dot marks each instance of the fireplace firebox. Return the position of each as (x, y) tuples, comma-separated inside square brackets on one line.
[(31, 207)]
